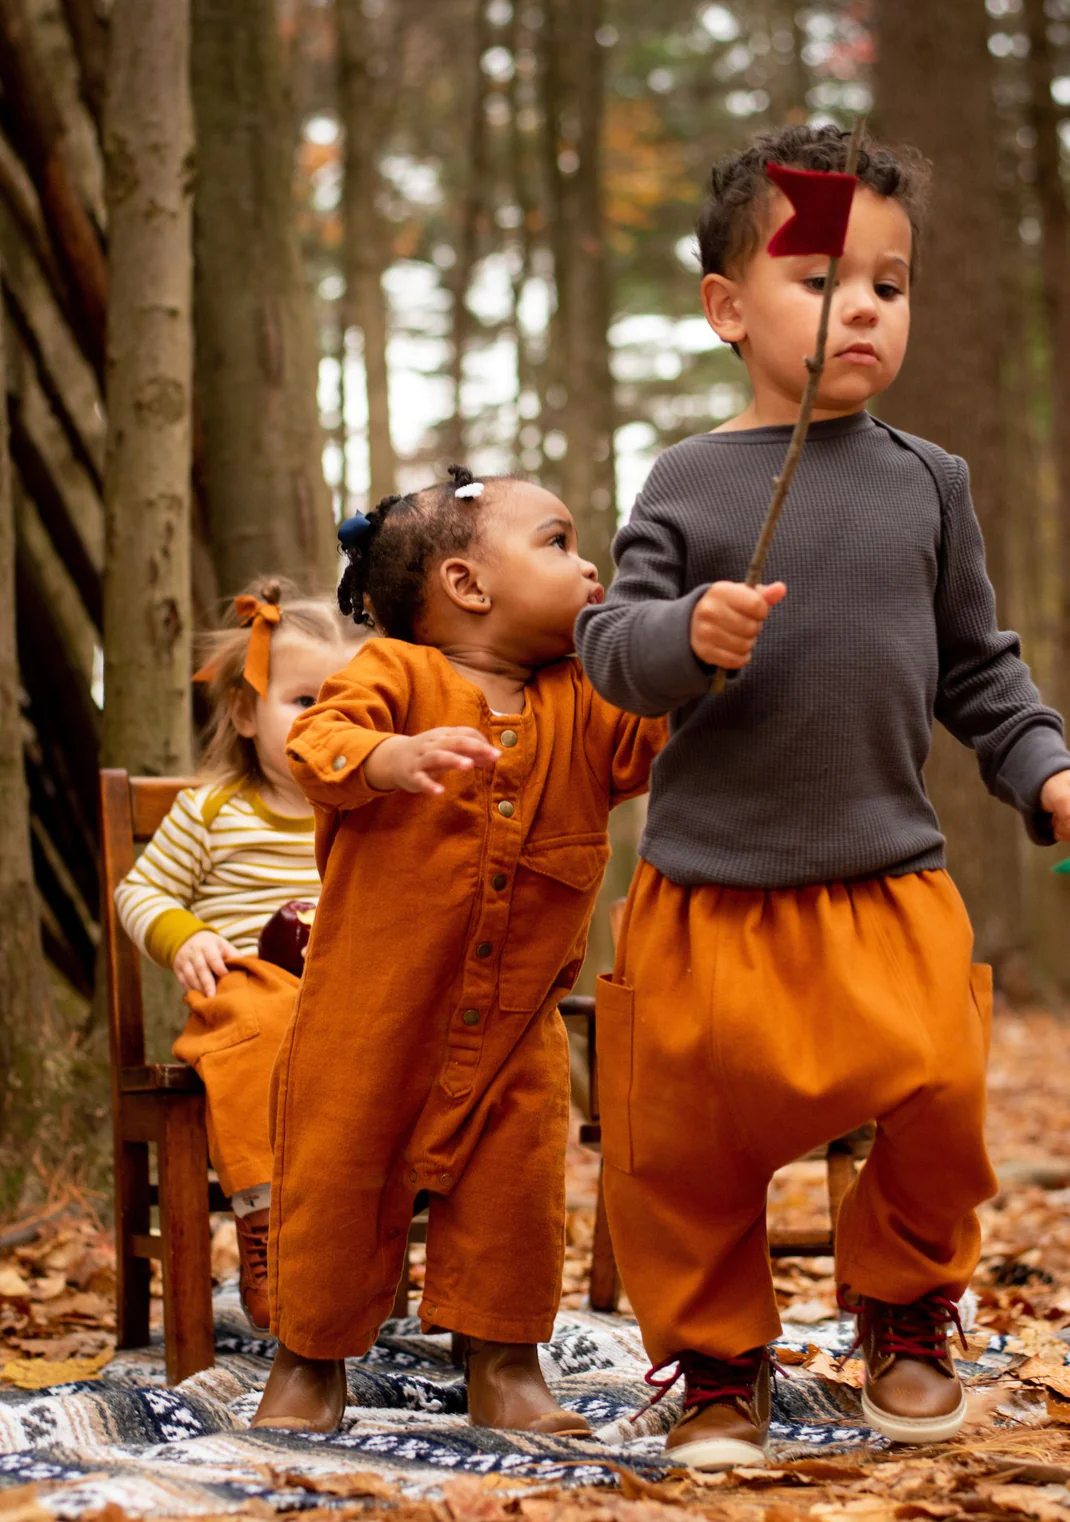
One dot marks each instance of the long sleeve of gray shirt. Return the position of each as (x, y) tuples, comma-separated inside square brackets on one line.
[(808, 767)]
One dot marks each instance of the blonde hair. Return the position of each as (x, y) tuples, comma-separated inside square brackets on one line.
[(226, 756)]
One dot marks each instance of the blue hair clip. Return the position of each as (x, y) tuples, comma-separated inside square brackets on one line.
[(353, 532)]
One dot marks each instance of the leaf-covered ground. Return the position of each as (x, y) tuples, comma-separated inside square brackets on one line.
[(1013, 1458)]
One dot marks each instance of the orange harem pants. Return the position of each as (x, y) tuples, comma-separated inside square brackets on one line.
[(232, 1040), (487, 1146), (743, 1028)]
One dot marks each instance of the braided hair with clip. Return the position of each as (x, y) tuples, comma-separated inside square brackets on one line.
[(392, 552)]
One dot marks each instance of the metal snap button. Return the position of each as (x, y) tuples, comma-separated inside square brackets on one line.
[(484, 949), (509, 738), (338, 764), (499, 881), (471, 1017), (506, 809)]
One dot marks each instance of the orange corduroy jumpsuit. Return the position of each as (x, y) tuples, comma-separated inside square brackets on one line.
[(426, 1053)]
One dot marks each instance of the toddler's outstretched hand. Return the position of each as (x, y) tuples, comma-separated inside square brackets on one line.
[(201, 960), (1055, 797), (728, 619), (412, 762)]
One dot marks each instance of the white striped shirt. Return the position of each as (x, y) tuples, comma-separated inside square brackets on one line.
[(222, 861)]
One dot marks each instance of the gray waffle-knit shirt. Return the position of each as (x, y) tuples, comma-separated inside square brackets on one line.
[(808, 768)]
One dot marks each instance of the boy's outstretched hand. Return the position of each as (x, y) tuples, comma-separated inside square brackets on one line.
[(1055, 798), (728, 619), (410, 763)]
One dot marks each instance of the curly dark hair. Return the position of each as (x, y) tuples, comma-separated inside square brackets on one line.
[(385, 581), (730, 224)]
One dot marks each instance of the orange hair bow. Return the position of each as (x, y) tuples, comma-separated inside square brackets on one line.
[(264, 617)]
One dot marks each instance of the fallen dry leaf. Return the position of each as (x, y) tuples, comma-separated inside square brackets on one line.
[(12, 1285), (851, 1373), (347, 1485), (39, 1373)]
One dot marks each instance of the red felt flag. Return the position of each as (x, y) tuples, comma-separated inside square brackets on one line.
[(822, 202)]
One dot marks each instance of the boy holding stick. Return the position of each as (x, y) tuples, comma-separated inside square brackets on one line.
[(795, 960)]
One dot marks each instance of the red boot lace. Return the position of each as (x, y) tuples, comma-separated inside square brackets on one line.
[(254, 1239), (917, 1330), (708, 1381)]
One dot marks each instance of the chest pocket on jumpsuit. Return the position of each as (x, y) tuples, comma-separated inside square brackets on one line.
[(555, 889)]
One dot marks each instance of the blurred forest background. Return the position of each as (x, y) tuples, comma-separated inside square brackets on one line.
[(265, 260)]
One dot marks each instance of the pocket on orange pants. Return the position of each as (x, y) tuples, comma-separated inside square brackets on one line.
[(981, 994), (614, 1031)]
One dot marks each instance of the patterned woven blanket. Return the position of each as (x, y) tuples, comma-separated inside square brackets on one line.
[(128, 1439)]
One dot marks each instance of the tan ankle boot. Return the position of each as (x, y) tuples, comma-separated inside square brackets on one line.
[(725, 1420), (252, 1254), (506, 1390), (912, 1392), (303, 1394)]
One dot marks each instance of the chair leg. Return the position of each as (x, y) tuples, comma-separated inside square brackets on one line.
[(841, 1175), (401, 1296), (132, 1216), (605, 1280), (182, 1161)]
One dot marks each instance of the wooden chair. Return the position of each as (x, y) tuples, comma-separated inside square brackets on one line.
[(157, 1105), (841, 1157)]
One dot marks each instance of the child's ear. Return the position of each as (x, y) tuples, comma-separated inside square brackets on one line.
[(720, 302), (461, 583), (241, 703)]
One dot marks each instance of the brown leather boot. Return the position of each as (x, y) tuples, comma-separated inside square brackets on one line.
[(912, 1393), (725, 1420), (252, 1282), (506, 1390), (303, 1394)]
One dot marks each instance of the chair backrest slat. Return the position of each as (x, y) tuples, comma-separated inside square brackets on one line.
[(131, 809)]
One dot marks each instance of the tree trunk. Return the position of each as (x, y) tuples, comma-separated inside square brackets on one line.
[(365, 246), (472, 214), (148, 152), (1055, 282), (934, 89), (89, 36), (42, 143), (268, 506), (29, 1051), (590, 475), (1046, 908), (555, 95)]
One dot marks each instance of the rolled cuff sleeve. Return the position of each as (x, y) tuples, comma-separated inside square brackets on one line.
[(328, 765), (169, 932), (1039, 753), (667, 669)]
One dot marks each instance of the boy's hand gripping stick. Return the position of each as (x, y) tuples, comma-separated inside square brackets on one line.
[(822, 203)]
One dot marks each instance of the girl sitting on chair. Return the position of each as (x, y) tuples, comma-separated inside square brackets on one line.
[(225, 891)]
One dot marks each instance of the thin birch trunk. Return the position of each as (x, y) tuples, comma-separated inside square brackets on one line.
[(365, 238), (268, 506), (148, 153)]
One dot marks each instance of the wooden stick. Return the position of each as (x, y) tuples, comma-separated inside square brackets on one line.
[(815, 366)]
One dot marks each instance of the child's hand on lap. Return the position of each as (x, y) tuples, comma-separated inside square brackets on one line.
[(201, 960), (410, 763), (1055, 798), (728, 619)]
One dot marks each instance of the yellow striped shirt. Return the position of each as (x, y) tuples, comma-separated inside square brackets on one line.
[(220, 861)]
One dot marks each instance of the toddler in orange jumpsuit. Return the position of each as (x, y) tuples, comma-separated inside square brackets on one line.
[(464, 765), (220, 892), (794, 960)]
